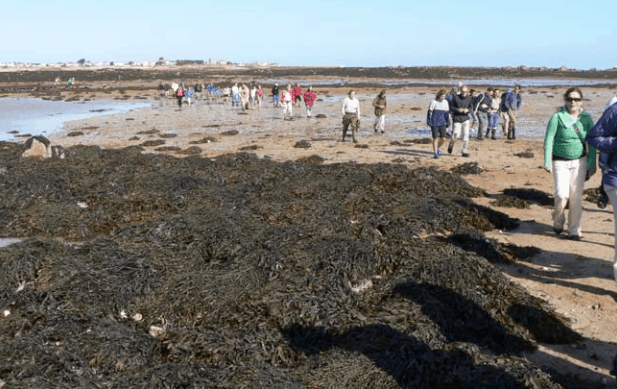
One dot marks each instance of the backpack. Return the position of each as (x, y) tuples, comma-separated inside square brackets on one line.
[(504, 97), (179, 92)]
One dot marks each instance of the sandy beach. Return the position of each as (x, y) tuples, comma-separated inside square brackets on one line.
[(574, 277)]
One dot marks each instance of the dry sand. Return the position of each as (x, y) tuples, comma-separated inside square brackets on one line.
[(574, 277)]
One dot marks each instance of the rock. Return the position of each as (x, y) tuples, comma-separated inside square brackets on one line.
[(320, 116), (156, 331), (37, 146)]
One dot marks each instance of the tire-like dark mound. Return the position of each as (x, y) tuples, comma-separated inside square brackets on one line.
[(530, 195), (244, 272)]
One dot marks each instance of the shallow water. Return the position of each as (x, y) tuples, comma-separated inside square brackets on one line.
[(43, 117)]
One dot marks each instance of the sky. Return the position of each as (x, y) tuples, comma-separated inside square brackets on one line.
[(581, 35)]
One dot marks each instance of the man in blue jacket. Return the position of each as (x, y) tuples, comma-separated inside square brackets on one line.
[(511, 105), (603, 136)]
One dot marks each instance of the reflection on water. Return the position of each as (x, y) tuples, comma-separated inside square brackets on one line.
[(8, 241), (43, 117)]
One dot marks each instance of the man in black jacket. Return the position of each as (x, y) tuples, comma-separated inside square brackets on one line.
[(462, 106), (275, 95)]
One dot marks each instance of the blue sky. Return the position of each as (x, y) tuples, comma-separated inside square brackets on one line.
[(361, 33)]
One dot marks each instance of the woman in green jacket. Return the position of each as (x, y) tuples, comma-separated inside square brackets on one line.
[(567, 156)]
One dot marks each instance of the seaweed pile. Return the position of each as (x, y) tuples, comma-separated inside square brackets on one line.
[(151, 271)]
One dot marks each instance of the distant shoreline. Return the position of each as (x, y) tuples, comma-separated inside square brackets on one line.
[(46, 74)]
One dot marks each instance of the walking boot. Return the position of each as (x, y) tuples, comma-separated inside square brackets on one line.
[(513, 133), (493, 134)]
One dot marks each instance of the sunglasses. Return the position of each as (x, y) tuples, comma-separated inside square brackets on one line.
[(573, 99)]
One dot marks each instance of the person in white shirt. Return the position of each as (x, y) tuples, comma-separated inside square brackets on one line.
[(351, 115), (287, 101)]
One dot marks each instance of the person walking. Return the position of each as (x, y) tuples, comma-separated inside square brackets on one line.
[(180, 96), (275, 95), (493, 113), (568, 157), (297, 93), (189, 96), (462, 105), (309, 100), (511, 105), (254, 96), (380, 103), (287, 101), (481, 106), (235, 95), (351, 115), (603, 136), (438, 119), (244, 97), (260, 96)]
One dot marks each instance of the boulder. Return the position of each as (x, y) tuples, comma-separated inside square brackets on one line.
[(37, 146)]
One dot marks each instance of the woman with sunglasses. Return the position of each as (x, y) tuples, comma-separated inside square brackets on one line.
[(567, 156)]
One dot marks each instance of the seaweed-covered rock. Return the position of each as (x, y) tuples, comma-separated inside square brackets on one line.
[(244, 272)]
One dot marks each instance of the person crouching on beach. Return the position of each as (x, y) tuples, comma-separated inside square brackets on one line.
[(438, 118), (603, 136), (309, 100), (351, 115), (462, 105), (287, 101), (568, 157), (379, 103)]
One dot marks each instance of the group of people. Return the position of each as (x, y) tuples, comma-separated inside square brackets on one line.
[(463, 107), (292, 96), (246, 97)]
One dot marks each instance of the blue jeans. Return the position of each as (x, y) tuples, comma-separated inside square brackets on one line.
[(482, 124), (493, 119), (275, 99)]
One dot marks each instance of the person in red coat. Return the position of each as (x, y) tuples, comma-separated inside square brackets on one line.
[(309, 100), (297, 93)]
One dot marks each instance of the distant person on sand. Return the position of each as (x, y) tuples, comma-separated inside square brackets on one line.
[(254, 96), (189, 96), (493, 113), (380, 104), (275, 95), (351, 115), (438, 119), (235, 95), (260, 96), (244, 96), (179, 96), (309, 100), (603, 136), (568, 157), (297, 93), (511, 105), (462, 105), (287, 101)]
